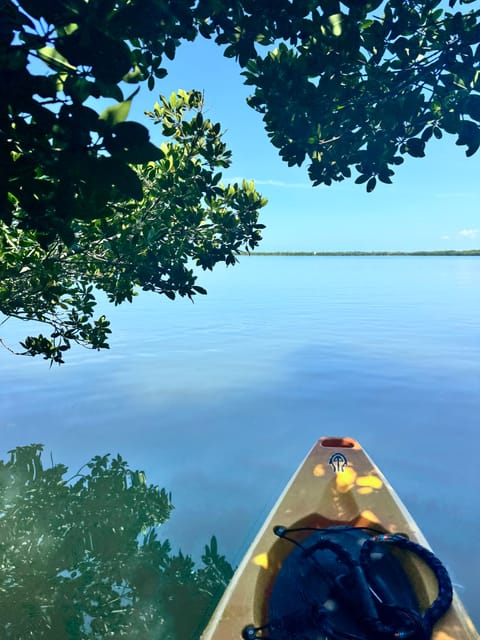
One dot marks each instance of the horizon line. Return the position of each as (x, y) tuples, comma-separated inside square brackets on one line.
[(438, 252)]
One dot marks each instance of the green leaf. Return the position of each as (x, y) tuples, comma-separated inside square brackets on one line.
[(169, 48), (118, 112), (78, 88), (161, 73), (200, 290), (472, 107), (362, 178), (469, 135), (415, 147), (67, 29), (133, 77), (384, 176), (54, 59), (131, 133), (427, 133), (111, 58), (108, 90), (214, 546), (336, 23)]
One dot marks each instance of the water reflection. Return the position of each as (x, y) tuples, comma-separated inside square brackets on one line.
[(81, 557)]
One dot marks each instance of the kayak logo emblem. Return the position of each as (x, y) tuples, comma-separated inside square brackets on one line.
[(338, 462)]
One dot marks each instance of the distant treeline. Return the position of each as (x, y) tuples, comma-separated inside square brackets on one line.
[(471, 252)]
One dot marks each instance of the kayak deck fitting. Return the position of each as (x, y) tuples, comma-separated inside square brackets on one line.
[(339, 556)]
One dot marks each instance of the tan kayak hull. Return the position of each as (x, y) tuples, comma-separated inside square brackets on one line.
[(337, 483)]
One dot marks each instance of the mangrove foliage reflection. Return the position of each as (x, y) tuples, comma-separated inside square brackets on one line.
[(81, 557)]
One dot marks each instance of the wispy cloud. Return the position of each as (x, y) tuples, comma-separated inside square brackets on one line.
[(469, 233), (466, 234), (287, 185), (272, 183)]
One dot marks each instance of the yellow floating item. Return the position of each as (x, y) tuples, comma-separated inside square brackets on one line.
[(337, 484)]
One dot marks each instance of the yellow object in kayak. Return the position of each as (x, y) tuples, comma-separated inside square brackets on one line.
[(339, 556)]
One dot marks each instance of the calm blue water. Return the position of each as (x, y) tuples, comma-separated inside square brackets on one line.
[(220, 400)]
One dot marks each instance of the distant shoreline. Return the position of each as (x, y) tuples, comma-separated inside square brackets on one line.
[(472, 252)]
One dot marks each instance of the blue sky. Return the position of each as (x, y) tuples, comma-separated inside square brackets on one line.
[(433, 204)]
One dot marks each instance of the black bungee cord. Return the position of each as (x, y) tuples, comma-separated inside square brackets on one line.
[(408, 624)]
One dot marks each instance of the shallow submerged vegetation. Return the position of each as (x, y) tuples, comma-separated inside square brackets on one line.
[(81, 557)]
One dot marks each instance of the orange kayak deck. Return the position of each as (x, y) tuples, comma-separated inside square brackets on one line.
[(336, 484)]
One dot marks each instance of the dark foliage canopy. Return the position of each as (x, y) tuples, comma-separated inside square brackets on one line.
[(88, 202), (357, 86)]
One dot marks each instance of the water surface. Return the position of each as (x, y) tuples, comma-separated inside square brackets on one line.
[(220, 400)]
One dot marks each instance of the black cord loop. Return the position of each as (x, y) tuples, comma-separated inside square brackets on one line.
[(442, 602), (381, 618)]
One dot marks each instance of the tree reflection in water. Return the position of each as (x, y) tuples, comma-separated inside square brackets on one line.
[(80, 557)]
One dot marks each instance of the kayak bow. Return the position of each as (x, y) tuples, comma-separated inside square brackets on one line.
[(335, 511)]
